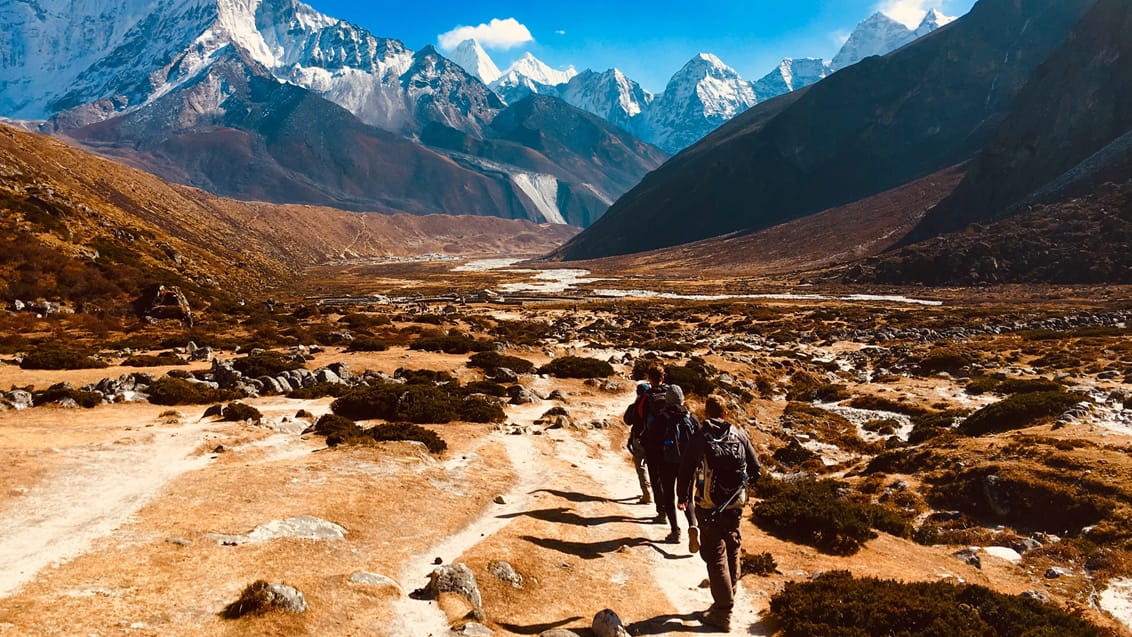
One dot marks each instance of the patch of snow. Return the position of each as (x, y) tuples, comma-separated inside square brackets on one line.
[(1004, 552), (551, 281), (650, 294)]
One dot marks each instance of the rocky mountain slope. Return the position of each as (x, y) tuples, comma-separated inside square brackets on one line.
[(864, 130), (79, 229), (1069, 129)]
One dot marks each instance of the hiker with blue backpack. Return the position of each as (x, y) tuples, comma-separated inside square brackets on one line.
[(716, 470)]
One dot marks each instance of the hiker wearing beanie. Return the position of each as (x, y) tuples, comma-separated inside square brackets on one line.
[(634, 417), (677, 425), (723, 455), (652, 440)]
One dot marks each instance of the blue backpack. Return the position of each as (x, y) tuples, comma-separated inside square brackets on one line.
[(681, 425)]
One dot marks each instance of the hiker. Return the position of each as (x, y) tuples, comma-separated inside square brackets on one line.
[(650, 433), (724, 455), (633, 416), (678, 426)]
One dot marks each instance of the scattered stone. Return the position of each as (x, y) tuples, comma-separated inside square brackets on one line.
[(971, 557), (20, 399), (260, 597), (521, 395), (499, 499), (374, 579), (505, 573), (558, 395), (475, 629), (324, 375), (179, 541), (160, 303), (1055, 572), (1037, 596), (304, 527), (558, 632), (1025, 544), (453, 578), (607, 624)]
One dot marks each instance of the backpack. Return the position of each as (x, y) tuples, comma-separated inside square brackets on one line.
[(724, 470), (653, 405), (678, 431)]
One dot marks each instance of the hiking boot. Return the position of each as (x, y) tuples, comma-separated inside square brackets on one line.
[(694, 540), (718, 619), (645, 499), (660, 519), (673, 537)]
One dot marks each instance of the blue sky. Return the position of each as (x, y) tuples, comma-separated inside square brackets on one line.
[(648, 41)]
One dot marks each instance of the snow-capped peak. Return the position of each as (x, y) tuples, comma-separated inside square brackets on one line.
[(538, 71), (933, 20), (876, 35), (471, 56)]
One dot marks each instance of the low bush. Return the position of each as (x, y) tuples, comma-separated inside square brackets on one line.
[(56, 356), (486, 387), (454, 343), (577, 367), (163, 359), (337, 429), (981, 385), (238, 412), (693, 379), (479, 409), (945, 359), (423, 376), (879, 403), (320, 390), (422, 404), (837, 604), (267, 364), (61, 392), (367, 403), (408, 431), (1019, 411), (171, 391), (794, 454), (761, 564), (367, 344), (815, 513), (495, 360)]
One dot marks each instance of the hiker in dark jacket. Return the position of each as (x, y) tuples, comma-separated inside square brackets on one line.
[(673, 426), (724, 456), (651, 436)]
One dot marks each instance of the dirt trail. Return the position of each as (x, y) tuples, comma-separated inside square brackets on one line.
[(97, 490)]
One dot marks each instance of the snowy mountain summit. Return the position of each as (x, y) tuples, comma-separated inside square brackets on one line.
[(471, 56), (880, 35)]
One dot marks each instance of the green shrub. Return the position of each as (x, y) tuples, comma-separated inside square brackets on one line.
[(837, 605), (486, 387), (368, 403), (945, 360), (337, 429), (577, 367), (1028, 386), (267, 364), (813, 512), (454, 343), (215, 411), (367, 344), (494, 360), (365, 321), (408, 431), (238, 412), (60, 392), (761, 564), (1018, 411), (161, 360), (478, 409), (422, 404), (794, 454), (691, 378), (423, 376), (320, 390), (55, 356), (170, 391), (981, 385)]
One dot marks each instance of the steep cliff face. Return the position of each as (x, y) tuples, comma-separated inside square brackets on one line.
[(1069, 129)]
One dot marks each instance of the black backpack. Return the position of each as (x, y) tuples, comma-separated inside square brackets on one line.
[(725, 470), (655, 404), (679, 428)]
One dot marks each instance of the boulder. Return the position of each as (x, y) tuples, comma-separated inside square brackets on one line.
[(607, 624), (324, 375), (162, 303), (261, 597), (342, 370), (20, 399), (374, 579), (454, 578), (505, 573)]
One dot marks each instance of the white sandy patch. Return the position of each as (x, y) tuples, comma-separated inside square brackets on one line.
[(99, 489), (1116, 600), (485, 265)]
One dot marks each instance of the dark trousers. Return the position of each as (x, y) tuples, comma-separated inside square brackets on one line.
[(663, 477), (719, 549)]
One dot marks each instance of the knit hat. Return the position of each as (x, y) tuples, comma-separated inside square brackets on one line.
[(675, 396), (643, 387)]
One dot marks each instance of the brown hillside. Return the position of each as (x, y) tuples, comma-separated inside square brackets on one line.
[(79, 228)]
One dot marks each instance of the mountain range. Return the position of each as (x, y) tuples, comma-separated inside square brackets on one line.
[(272, 100), (883, 122), (700, 96), (220, 94)]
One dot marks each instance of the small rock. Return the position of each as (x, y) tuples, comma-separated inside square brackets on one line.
[(475, 629), (558, 632), (1055, 572), (260, 597), (967, 556), (505, 573), (179, 541), (373, 579), (499, 499)]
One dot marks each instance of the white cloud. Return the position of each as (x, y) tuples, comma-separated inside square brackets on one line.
[(497, 34), (907, 12), (560, 32)]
